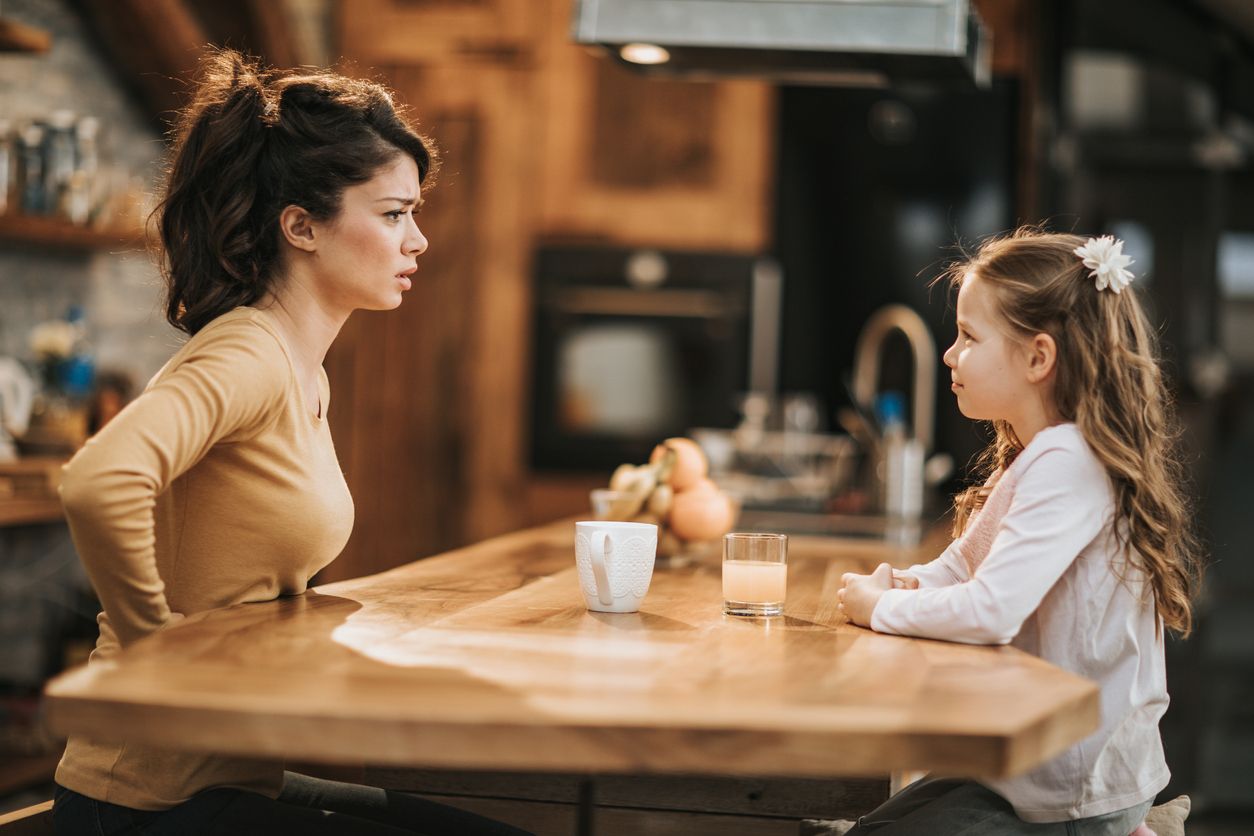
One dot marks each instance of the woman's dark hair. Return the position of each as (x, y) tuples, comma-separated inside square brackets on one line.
[(252, 142)]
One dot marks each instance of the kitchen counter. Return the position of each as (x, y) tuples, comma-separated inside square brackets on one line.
[(485, 658)]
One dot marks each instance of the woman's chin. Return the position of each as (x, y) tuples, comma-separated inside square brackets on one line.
[(386, 303)]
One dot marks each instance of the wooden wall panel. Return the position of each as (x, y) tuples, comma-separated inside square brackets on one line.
[(427, 400), (395, 408), (430, 403)]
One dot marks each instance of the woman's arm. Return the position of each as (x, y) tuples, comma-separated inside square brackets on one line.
[(227, 389)]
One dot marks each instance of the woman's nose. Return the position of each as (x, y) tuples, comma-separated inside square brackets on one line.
[(415, 242)]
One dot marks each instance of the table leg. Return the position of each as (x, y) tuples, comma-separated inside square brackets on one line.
[(586, 808)]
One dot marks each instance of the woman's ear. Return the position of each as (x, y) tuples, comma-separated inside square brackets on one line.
[(298, 228), (1042, 357)]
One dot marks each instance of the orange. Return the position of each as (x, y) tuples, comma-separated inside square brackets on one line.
[(701, 515), (690, 461)]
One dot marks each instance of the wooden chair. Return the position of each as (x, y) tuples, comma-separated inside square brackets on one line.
[(35, 820)]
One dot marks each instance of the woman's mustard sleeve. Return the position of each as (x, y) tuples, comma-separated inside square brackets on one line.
[(229, 384)]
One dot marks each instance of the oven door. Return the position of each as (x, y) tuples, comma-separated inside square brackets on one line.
[(625, 358)]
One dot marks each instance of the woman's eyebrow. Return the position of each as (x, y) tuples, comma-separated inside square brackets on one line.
[(405, 200)]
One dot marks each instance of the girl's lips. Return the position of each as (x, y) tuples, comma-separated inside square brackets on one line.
[(955, 386)]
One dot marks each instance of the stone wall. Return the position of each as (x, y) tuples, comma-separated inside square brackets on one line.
[(43, 591), (119, 291)]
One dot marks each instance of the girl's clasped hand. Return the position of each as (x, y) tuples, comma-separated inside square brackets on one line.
[(859, 594)]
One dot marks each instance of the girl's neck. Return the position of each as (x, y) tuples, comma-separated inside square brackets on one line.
[(1036, 417)]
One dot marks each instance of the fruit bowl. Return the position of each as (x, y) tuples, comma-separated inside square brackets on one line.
[(672, 491)]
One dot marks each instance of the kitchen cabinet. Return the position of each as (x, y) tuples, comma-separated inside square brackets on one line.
[(651, 161), (396, 32)]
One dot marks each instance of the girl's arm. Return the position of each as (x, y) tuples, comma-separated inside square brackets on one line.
[(947, 569), (1062, 502), (228, 389)]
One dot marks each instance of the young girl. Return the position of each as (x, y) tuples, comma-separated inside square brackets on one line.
[(1076, 548), (290, 203)]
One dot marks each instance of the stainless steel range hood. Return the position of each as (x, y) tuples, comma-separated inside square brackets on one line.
[(858, 42)]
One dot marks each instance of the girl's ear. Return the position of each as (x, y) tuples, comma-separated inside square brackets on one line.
[(1042, 354), (298, 228)]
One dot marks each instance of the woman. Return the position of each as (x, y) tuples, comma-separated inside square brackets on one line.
[(290, 203)]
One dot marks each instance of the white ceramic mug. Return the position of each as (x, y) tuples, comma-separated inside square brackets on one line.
[(615, 562)]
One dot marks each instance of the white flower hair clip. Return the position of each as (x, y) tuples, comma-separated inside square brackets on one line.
[(1108, 265)]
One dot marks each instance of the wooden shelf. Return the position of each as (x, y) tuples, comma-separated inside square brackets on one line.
[(18, 37), (14, 511), (30, 490), (41, 233)]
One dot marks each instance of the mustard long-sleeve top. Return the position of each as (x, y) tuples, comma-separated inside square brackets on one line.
[(216, 486)]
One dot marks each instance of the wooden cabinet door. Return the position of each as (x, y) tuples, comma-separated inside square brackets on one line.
[(651, 160), (400, 32)]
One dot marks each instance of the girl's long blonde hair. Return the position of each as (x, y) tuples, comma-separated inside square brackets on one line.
[(1107, 381)]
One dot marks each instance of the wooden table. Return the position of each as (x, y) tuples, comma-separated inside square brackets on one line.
[(486, 658)]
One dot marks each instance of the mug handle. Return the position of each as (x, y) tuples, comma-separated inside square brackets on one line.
[(600, 557)]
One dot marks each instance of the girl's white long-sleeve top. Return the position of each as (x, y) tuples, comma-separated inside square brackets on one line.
[(1040, 568)]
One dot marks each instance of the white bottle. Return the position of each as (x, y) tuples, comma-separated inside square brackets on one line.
[(901, 462)]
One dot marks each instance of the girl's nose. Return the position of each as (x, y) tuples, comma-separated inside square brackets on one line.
[(950, 355)]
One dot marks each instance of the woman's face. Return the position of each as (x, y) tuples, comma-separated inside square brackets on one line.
[(987, 367), (367, 253)]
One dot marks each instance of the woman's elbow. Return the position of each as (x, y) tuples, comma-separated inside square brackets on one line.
[(76, 488), (85, 484)]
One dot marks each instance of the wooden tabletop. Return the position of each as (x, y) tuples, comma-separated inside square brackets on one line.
[(486, 657)]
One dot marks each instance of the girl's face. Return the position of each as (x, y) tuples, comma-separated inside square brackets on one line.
[(367, 253), (987, 367)]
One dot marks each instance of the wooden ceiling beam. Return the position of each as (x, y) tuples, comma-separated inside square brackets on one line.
[(155, 44)]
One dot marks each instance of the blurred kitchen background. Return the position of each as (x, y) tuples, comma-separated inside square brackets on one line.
[(631, 244)]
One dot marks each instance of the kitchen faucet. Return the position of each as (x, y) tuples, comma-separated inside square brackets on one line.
[(923, 350)]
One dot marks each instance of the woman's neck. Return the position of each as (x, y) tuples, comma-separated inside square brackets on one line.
[(308, 326)]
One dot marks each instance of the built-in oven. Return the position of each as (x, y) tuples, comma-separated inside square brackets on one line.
[(634, 346)]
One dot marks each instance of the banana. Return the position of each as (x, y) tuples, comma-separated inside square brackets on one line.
[(660, 501), (646, 517), (625, 507), (622, 476), (665, 465)]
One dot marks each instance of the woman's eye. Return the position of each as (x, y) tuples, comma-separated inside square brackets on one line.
[(395, 214)]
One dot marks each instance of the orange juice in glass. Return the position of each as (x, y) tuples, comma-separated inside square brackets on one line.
[(755, 574)]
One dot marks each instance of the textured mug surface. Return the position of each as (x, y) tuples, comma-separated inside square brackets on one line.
[(630, 553)]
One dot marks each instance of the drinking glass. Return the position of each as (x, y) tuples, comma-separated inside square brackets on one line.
[(755, 573)]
